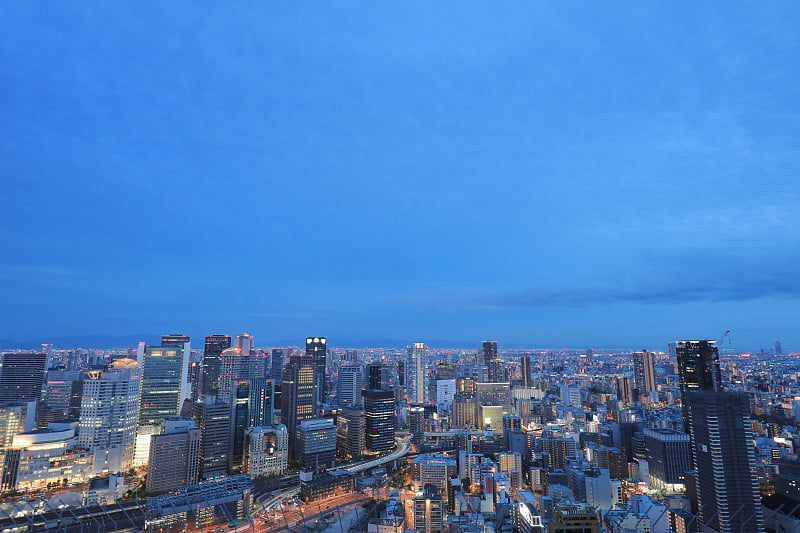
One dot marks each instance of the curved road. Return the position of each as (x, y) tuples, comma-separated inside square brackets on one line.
[(403, 447)]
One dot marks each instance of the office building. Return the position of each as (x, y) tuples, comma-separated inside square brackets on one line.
[(16, 417), (277, 366), (490, 361), (493, 394), (251, 405), (245, 342), (698, 369), (778, 348), (212, 418), (527, 371), (22, 376), (722, 437), (298, 399), (239, 363), (215, 345), (315, 447), (416, 424), (644, 373), (317, 350), (349, 390), (350, 433), (417, 364), (429, 511), (164, 382), (107, 424), (668, 457), (175, 339), (379, 417), (174, 456), (267, 451)]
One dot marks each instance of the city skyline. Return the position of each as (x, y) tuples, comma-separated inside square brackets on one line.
[(550, 175)]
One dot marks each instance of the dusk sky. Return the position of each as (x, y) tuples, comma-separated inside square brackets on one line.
[(544, 174)]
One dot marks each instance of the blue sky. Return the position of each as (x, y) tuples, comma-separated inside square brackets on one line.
[(543, 174)]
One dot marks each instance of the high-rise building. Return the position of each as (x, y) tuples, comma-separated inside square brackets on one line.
[(493, 365), (510, 463), (698, 369), (316, 443), (107, 424), (267, 451), (277, 366), (251, 406), (350, 379), (429, 511), (15, 417), (722, 437), (418, 362), (174, 339), (317, 350), (245, 342), (379, 419), (298, 399), (350, 433), (527, 371), (778, 348), (668, 457), (164, 381), (644, 373), (22, 376), (215, 345), (237, 364), (174, 456), (416, 424), (212, 418)]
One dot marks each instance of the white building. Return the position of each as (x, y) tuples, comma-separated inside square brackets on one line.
[(266, 451), (108, 416)]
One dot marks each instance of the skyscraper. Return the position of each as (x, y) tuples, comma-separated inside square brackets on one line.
[(778, 348), (251, 406), (350, 431), (174, 339), (215, 345), (721, 435), (267, 451), (174, 456), (698, 369), (317, 350), (298, 399), (164, 381), (494, 367), (277, 366), (107, 424), (418, 355), (212, 418), (316, 443), (350, 379), (379, 419), (526, 371), (22, 376), (644, 373)]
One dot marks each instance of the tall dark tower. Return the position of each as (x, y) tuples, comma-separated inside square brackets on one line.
[(721, 436), (491, 362), (277, 366), (698, 369), (525, 370), (374, 376), (489, 352), (317, 349), (215, 345), (22, 376), (298, 396), (378, 412)]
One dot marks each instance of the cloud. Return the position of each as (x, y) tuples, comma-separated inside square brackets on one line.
[(676, 279)]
